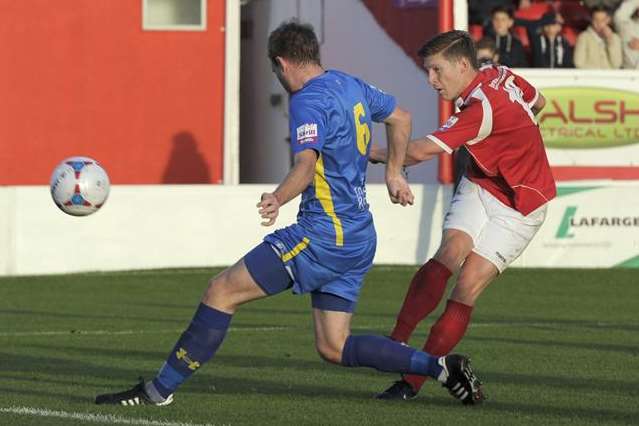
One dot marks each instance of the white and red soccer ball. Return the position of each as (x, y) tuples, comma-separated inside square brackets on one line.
[(79, 186)]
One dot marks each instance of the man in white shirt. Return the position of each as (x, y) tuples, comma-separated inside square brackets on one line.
[(627, 23), (599, 47)]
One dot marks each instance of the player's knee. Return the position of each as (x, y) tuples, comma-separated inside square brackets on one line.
[(329, 351), (454, 251), (219, 293), (451, 256), (468, 289), (465, 296)]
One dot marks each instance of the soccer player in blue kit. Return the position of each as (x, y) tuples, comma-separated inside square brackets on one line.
[(331, 247)]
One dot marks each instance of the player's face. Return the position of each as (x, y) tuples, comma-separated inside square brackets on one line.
[(444, 76)]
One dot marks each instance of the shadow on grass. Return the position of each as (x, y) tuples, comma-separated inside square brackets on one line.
[(606, 416), (558, 323), (284, 360), (85, 373), (574, 383), (38, 391), (602, 347), (18, 363), (86, 316), (30, 368)]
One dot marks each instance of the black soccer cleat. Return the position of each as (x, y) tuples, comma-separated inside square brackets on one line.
[(134, 396), (400, 390), (461, 382)]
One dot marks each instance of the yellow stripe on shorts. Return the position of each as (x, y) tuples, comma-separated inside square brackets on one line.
[(296, 250), (323, 194)]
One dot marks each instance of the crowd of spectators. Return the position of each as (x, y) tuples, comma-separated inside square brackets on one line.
[(593, 34)]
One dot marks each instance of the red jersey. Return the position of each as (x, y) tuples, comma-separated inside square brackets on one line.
[(498, 128)]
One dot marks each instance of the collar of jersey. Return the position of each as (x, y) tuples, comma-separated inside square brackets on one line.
[(461, 100), (324, 74)]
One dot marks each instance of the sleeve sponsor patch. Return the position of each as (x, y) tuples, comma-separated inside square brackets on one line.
[(307, 133), (449, 123)]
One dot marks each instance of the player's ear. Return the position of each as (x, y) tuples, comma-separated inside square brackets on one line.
[(279, 63), (464, 63)]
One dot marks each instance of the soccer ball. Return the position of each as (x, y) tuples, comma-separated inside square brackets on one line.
[(79, 186)]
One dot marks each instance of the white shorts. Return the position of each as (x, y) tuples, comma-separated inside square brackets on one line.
[(500, 233)]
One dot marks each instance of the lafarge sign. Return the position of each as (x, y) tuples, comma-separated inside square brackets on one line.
[(572, 222), (589, 226), (589, 117)]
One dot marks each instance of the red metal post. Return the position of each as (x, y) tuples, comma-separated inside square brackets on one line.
[(446, 173)]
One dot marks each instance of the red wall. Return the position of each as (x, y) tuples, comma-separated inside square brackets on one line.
[(82, 78), (410, 27)]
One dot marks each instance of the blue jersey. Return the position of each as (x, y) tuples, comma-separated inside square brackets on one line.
[(333, 114)]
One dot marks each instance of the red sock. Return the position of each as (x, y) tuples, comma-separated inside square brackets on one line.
[(424, 293), (444, 335)]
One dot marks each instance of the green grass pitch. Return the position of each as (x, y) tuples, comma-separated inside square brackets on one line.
[(551, 346)]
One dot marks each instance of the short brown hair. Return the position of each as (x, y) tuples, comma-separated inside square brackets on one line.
[(502, 9), (486, 43), (453, 45), (294, 41), (600, 8)]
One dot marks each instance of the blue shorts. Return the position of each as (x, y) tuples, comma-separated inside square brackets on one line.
[(265, 266), (318, 266)]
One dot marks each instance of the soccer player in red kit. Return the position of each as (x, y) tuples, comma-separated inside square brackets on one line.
[(500, 202)]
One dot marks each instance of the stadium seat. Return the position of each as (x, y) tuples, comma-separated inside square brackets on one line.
[(570, 34), (520, 32), (535, 11), (575, 15), (476, 32)]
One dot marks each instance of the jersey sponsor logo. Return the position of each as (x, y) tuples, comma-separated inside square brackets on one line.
[(360, 193), (307, 133), (449, 123)]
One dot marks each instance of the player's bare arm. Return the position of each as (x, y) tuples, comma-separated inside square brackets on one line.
[(398, 129), (296, 181), (418, 150), (539, 104)]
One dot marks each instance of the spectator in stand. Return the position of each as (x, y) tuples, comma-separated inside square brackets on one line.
[(608, 4), (479, 11), (511, 51), (487, 52), (549, 48), (627, 23), (598, 47)]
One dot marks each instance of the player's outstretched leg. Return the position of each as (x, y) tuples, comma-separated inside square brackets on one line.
[(195, 346), (335, 344), (381, 353), (207, 330), (444, 335), (424, 293)]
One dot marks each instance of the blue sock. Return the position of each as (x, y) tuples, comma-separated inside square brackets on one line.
[(388, 355), (195, 346), (425, 364)]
